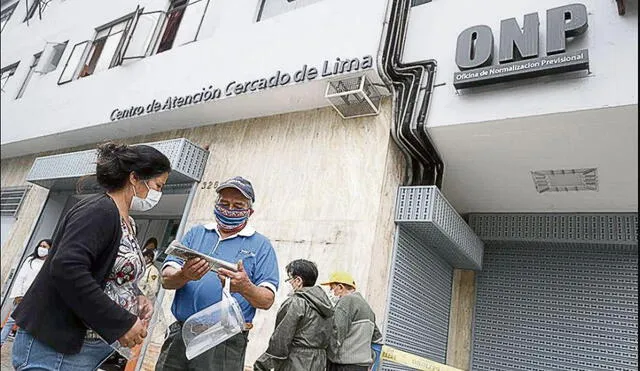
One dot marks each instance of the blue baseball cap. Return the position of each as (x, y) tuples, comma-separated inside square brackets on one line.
[(241, 184)]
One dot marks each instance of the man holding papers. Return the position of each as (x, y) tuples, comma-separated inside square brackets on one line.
[(253, 285)]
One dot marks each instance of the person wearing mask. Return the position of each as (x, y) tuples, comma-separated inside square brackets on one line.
[(150, 282), (303, 324), (151, 244), (254, 285), (27, 273), (354, 326), (86, 295)]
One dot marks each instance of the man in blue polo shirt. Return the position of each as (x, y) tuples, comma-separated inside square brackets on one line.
[(231, 239)]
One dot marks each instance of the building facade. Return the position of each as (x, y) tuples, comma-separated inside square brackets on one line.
[(473, 165)]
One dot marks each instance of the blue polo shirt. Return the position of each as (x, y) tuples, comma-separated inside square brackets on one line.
[(256, 253)]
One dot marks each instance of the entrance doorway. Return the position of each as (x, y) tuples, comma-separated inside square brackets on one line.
[(62, 174)]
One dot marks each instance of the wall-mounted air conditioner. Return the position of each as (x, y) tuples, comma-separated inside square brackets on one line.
[(50, 57), (354, 97)]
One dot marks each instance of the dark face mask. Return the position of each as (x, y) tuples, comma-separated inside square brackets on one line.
[(231, 220)]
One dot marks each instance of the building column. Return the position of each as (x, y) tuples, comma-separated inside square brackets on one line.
[(463, 297)]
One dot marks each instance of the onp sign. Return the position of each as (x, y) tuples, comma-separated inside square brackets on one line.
[(518, 51)]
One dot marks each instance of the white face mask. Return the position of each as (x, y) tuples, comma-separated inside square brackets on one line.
[(291, 289), (145, 204), (333, 297), (42, 252)]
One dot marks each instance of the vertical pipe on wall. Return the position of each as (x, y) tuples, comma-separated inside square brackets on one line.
[(411, 85)]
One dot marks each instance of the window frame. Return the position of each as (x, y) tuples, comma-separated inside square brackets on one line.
[(12, 68), (184, 7), (172, 8), (115, 58), (29, 76), (8, 11), (155, 34), (262, 5), (31, 10), (76, 68), (159, 30)]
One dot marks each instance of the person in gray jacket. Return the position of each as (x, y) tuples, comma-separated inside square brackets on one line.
[(303, 324), (354, 327)]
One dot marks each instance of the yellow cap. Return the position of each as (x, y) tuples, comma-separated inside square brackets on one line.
[(341, 277)]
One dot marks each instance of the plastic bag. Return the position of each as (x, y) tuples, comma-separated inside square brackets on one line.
[(212, 325), (126, 352)]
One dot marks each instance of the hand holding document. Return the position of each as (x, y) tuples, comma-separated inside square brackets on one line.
[(182, 252)]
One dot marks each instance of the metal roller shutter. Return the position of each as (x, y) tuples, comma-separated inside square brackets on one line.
[(418, 313), (557, 306)]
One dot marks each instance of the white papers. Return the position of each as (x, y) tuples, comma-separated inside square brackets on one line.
[(182, 252)]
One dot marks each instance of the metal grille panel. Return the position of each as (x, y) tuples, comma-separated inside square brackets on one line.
[(557, 292), (11, 199), (426, 212), (592, 228), (420, 298), (62, 171), (551, 307), (354, 97)]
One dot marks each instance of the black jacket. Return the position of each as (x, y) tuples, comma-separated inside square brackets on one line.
[(67, 295)]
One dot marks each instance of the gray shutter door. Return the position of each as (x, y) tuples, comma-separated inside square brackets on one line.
[(420, 298), (552, 306)]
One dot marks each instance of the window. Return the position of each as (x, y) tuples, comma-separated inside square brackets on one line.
[(50, 57), (32, 9), (32, 68), (419, 2), (184, 22), (7, 72), (106, 47), (174, 16), (272, 8), (10, 200), (6, 14)]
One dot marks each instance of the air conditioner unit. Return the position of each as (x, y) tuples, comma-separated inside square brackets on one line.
[(50, 57), (354, 97)]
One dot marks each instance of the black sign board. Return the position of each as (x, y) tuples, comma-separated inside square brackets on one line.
[(519, 49)]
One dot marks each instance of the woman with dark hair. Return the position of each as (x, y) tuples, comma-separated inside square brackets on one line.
[(27, 273), (151, 244), (86, 295)]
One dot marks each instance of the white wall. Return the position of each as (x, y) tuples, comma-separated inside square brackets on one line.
[(611, 40), (237, 48)]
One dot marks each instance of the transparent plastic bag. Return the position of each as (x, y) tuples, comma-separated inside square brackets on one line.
[(126, 352), (212, 325)]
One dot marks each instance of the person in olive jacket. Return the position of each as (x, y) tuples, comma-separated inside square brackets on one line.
[(303, 324)]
